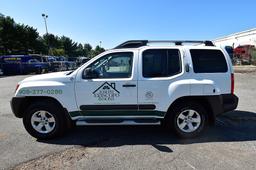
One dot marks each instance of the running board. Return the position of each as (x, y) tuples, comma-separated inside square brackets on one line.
[(114, 122)]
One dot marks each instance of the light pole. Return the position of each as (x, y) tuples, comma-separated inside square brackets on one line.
[(45, 23)]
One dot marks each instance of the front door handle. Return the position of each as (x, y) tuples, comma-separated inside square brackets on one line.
[(129, 85)]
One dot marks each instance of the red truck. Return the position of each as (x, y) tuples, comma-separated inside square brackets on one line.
[(243, 54)]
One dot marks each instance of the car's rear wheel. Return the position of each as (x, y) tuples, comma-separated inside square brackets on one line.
[(44, 120), (188, 119)]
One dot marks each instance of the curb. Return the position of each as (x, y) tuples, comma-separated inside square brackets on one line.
[(244, 69)]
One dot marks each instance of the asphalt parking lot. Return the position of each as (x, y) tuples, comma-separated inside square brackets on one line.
[(230, 144)]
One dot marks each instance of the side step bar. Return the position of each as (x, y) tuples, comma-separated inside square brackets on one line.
[(111, 123)]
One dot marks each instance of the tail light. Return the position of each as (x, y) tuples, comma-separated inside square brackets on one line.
[(232, 83)]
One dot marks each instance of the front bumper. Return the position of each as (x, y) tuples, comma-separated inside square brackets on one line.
[(16, 105)]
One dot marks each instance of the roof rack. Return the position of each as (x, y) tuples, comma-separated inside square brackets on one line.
[(132, 44), (140, 43)]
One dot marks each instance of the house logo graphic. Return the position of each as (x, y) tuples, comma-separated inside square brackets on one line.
[(106, 92)]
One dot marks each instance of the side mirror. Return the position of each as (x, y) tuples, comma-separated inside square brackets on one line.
[(89, 73)]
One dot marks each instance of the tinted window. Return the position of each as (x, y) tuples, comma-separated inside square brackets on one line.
[(161, 62), (115, 65), (208, 61)]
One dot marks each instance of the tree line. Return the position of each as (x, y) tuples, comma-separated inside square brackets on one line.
[(18, 38)]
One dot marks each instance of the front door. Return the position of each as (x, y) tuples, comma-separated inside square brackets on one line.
[(111, 89)]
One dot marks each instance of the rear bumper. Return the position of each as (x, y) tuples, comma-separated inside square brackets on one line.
[(223, 103), (230, 102), (16, 105)]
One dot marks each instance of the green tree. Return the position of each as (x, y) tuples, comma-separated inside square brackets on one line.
[(41, 46), (69, 46), (7, 34), (97, 51), (52, 41), (26, 39), (87, 50), (23, 39), (57, 52), (17, 38), (79, 50)]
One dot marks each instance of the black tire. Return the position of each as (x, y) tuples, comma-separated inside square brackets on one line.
[(54, 110), (39, 70), (172, 119)]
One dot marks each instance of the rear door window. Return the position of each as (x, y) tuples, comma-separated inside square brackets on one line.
[(161, 63), (208, 61)]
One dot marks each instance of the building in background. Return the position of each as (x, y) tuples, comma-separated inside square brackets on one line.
[(247, 37), (241, 46)]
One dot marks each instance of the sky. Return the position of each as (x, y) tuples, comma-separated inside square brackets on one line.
[(115, 21)]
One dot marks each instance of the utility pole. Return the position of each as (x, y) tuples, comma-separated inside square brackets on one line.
[(45, 23)]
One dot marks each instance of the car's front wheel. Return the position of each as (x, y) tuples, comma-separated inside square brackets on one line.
[(44, 120)]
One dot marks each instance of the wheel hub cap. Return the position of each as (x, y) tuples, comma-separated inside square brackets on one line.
[(188, 121), (43, 121)]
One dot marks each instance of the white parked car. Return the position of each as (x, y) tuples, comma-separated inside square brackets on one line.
[(180, 84)]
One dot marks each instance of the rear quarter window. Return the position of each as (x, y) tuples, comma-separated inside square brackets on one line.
[(208, 61)]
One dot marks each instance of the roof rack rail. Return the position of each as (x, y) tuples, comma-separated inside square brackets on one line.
[(132, 44), (140, 43)]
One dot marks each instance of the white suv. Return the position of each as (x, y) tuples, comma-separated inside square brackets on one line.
[(180, 84)]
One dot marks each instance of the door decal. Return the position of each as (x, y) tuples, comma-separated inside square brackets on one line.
[(149, 95), (106, 92)]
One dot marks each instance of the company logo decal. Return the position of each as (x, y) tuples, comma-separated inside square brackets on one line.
[(106, 92), (149, 95)]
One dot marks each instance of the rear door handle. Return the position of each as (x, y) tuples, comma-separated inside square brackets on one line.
[(129, 85)]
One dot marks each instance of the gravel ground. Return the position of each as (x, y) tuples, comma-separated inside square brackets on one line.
[(230, 144)]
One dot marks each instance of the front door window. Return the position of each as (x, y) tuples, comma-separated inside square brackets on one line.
[(115, 65)]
